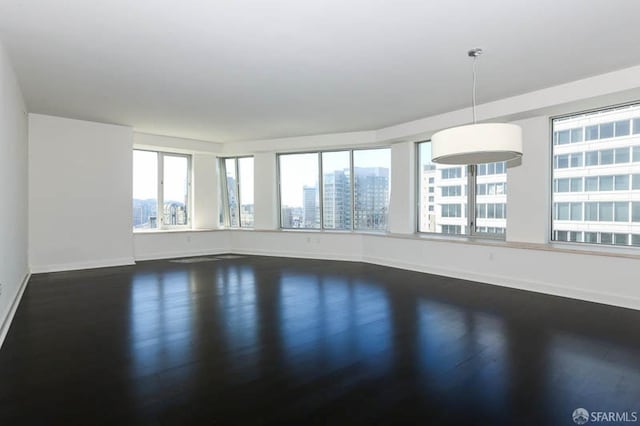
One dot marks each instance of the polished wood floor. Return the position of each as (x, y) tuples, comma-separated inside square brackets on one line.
[(261, 340)]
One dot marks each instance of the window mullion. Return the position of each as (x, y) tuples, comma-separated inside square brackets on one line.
[(237, 166), (471, 199), (320, 191), (353, 190), (161, 224)]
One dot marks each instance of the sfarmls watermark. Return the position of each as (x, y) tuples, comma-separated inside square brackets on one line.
[(581, 416)]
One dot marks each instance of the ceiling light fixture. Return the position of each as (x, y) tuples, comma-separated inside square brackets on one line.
[(477, 143)]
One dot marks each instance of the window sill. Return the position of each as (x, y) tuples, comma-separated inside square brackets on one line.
[(174, 231)]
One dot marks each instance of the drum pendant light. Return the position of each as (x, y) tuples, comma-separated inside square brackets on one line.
[(477, 143)]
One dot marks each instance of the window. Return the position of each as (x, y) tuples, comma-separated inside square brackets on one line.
[(371, 188), (606, 130), (606, 156), (622, 155), (486, 204), (342, 190), (592, 133), (595, 200), (336, 189), (591, 158), (299, 196), (161, 184), (576, 135), (590, 183), (622, 128), (237, 188)]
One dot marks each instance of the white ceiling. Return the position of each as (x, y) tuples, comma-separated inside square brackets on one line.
[(230, 70)]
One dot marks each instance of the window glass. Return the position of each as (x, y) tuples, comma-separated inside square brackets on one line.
[(591, 183), (635, 182), (576, 159), (371, 188), (621, 239), (336, 189), (562, 211), (145, 190), (606, 130), (591, 211), (576, 135), (591, 133), (299, 198), (622, 155), (590, 237), (562, 185), (576, 184), (563, 137), (233, 206), (635, 211), (176, 190), (605, 213), (606, 156), (622, 128), (576, 211), (606, 238), (591, 158), (622, 182), (621, 211), (606, 183)]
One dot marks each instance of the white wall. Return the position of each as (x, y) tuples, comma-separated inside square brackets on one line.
[(80, 193), (13, 192), (165, 245)]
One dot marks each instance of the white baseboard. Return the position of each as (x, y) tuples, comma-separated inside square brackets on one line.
[(5, 323), (178, 254), (91, 264), (297, 255), (520, 284)]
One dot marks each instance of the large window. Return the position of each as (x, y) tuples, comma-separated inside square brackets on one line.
[(161, 183), (597, 201), (341, 190), (237, 190), (445, 199)]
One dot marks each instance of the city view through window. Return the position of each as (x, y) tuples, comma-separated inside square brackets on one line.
[(596, 177), (171, 191), (350, 188), (444, 197)]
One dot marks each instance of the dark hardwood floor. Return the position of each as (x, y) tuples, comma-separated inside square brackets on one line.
[(260, 340)]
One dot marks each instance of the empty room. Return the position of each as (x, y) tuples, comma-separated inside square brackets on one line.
[(319, 212)]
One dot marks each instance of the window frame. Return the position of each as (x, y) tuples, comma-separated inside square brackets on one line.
[(552, 144), (352, 183), (226, 213), (160, 191), (471, 200)]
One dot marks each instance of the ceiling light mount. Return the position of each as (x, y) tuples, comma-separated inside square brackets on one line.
[(474, 53), (477, 143)]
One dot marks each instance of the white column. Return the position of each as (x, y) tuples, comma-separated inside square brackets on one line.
[(205, 190), (402, 208), (528, 185), (266, 191)]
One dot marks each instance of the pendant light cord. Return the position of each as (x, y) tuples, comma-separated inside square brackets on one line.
[(473, 96)]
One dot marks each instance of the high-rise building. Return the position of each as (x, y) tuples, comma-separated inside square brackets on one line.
[(336, 199), (371, 190), (596, 177), (311, 209)]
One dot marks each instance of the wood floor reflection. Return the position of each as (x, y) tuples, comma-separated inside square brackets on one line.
[(261, 340)]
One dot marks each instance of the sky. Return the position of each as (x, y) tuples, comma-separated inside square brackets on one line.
[(297, 170), (145, 172)]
